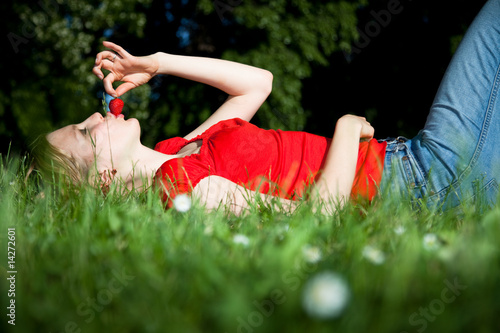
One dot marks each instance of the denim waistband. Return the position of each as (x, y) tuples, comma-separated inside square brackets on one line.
[(403, 175)]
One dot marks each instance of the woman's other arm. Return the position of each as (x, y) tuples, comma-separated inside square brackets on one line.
[(337, 177)]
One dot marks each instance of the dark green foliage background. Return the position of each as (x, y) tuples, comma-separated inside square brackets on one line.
[(49, 47)]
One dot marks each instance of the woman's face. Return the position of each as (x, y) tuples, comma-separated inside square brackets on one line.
[(105, 140)]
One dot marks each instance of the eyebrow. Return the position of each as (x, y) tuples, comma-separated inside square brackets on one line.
[(76, 130)]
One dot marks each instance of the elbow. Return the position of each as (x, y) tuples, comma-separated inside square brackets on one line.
[(267, 82)]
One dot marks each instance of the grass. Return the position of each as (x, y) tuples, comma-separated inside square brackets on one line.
[(88, 263)]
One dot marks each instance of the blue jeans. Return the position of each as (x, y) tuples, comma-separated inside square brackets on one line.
[(456, 157)]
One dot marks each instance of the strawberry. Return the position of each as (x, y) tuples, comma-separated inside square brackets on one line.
[(116, 106)]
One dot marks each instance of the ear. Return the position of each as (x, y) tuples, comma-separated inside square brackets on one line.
[(106, 178)]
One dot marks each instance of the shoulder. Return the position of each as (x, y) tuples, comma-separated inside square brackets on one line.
[(181, 175), (177, 176), (170, 146), (189, 168)]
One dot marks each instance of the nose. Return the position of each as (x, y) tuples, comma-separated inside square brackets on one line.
[(94, 119), (97, 116)]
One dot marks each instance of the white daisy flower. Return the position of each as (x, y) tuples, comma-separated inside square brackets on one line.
[(399, 230), (182, 203), (312, 254), (431, 242), (374, 255), (241, 239), (325, 296)]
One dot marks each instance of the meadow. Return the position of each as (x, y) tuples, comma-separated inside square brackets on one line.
[(85, 262)]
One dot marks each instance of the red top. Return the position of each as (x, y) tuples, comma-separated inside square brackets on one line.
[(280, 163)]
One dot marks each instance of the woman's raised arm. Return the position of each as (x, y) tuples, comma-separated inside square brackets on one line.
[(247, 86)]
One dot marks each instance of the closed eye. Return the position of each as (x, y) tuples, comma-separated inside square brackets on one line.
[(84, 131)]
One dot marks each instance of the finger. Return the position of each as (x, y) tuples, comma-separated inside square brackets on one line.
[(97, 66), (107, 55), (108, 85), (107, 65), (124, 87), (102, 61), (97, 71), (103, 55), (117, 48)]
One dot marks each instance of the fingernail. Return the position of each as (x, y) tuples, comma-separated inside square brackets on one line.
[(96, 61), (101, 77)]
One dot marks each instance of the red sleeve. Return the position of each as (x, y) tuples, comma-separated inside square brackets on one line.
[(170, 146), (369, 170), (179, 176)]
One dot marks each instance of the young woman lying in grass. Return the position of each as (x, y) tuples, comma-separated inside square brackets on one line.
[(227, 160)]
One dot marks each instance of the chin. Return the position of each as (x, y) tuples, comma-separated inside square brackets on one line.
[(135, 127)]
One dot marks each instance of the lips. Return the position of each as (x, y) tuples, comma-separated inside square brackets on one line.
[(120, 116)]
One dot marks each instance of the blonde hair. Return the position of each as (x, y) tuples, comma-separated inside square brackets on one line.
[(56, 164)]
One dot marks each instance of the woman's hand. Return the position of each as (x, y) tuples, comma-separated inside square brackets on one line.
[(366, 130), (133, 71)]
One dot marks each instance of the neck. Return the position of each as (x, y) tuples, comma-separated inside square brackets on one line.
[(141, 168)]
